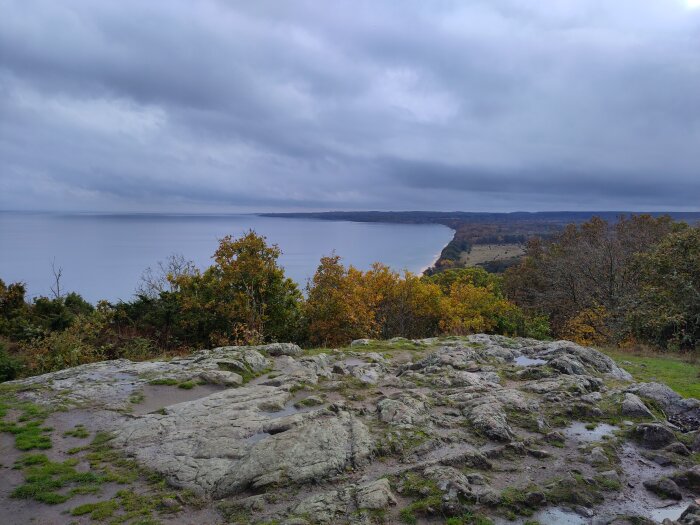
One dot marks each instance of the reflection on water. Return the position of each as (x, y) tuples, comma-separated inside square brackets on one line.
[(579, 432), (522, 360)]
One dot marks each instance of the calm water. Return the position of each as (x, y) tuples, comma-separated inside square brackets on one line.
[(103, 256)]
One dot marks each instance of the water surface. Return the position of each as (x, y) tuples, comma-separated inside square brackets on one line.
[(103, 255)]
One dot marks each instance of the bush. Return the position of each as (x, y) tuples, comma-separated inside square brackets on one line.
[(10, 367)]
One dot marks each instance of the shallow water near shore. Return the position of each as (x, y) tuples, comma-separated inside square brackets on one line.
[(104, 255)]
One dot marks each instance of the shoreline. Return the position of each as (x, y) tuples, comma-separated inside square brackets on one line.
[(437, 257)]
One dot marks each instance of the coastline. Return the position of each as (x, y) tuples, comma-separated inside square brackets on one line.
[(437, 257)]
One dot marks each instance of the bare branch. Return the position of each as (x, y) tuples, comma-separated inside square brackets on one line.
[(57, 274)]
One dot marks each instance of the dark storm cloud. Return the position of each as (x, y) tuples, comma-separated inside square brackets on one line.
[(492, 105)]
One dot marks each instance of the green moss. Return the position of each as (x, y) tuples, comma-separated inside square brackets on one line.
[(29, 436), (97, 511), (607, 483), (187, 385), (167, 381), (28, 430), (78, 432), (515, 500), (407, 516), (46, 481), (575, 490)]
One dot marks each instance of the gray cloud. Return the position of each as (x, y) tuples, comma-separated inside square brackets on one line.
[(227, 106)]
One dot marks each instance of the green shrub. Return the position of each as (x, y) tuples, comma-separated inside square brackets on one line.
[(10, 367)]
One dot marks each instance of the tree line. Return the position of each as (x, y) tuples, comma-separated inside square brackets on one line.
[(632, 282), (244, 297)]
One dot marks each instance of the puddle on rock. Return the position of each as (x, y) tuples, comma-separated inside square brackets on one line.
[(157, 397), (258, 436), (579, 432), (523, 360), (289, 410), (672, 512), (557, 516)]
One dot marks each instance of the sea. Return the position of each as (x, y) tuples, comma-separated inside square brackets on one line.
[(102, 256)]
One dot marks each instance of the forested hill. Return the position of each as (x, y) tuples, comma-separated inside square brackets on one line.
[(454, 218)]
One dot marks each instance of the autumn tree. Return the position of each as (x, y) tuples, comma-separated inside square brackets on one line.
[(585, 274), (243, 297), (339, 308), (404, 305)]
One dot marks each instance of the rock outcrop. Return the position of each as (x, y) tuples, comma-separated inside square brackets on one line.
[(398, 430)]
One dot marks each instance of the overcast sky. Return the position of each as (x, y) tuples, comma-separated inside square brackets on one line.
[(493, 105)]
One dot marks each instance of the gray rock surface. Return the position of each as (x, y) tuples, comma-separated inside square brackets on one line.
[(440, 427), (633, 406), (653, 435)]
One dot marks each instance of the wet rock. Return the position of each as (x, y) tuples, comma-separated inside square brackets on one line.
[(696, 443), (677, 448), (402, 409), (565, 384), (568, 365), (633, 406), (689, 479), (610, 475), (690, 516), (538, 453), (305, 453), (670, 401), (277, 349), (587, 357), (221, 377), (330, 507), (663, 487), (660, 458), (653, 435), (597, 457), (535, 499), (240, 359), (369, 374)]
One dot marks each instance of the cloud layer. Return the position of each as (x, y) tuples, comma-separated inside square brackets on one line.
[(490, 105)]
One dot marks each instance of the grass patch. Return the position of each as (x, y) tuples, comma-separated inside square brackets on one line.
[(97, 511), (682, 375), (46, 480), (28, 430), (166, 381), (78, 432)]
